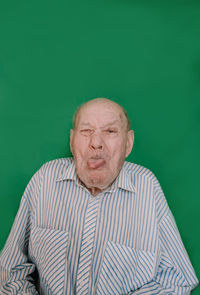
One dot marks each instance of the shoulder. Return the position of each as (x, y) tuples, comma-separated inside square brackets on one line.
[(50, 168), (53, 168), (57, 163), (139, 173), (136, 170), (47, 173), (146, 183)]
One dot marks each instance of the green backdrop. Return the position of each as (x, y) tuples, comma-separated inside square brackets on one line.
[(145, 55)]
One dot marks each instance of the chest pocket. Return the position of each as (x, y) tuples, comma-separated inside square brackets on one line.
[(124, 269), (48, 248)]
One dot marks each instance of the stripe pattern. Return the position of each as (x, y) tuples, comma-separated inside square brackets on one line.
[(87, 247), (122, 268), (124, 240), (49, 255)]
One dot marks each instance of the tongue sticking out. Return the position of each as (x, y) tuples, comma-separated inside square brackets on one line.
[(95, 163)]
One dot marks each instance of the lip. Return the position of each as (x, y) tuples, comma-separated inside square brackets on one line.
[(95, 162)]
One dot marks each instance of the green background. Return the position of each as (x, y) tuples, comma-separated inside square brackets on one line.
[(145, 55)]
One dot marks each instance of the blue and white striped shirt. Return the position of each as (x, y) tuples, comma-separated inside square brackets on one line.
[(66, 241)]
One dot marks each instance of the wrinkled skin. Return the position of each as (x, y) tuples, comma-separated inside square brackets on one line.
[(100, 142)]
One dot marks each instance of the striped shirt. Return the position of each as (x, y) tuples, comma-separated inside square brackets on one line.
[(66, 241)]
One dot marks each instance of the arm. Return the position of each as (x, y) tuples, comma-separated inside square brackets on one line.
[(174, 274), (16, 271)]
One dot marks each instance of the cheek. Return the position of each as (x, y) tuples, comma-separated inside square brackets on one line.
[(79, 146), (117, 149)]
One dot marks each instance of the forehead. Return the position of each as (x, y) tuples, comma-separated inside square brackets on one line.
[(100, 113)]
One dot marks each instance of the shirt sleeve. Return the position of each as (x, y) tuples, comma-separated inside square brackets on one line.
[(16, 271), (175, 274)]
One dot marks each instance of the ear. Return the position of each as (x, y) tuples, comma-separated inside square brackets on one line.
[(71, 139), (129, 142)]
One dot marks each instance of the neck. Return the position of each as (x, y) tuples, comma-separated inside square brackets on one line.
[(94, 191)]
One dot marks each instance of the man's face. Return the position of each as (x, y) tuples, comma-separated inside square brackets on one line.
[(100, 143)]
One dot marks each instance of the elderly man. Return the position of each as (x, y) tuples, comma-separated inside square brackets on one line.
[(95, 224)]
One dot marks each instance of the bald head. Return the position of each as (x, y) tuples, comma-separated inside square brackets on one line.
[(107, 104)]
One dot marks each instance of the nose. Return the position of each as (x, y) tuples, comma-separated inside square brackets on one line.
[(96, 142)]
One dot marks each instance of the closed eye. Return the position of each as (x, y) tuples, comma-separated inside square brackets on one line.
[(86, 132)]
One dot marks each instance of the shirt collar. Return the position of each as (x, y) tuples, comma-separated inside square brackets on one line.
[(123, 180), (68, 173)]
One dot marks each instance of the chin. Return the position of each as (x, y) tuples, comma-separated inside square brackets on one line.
[(96, 181)]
